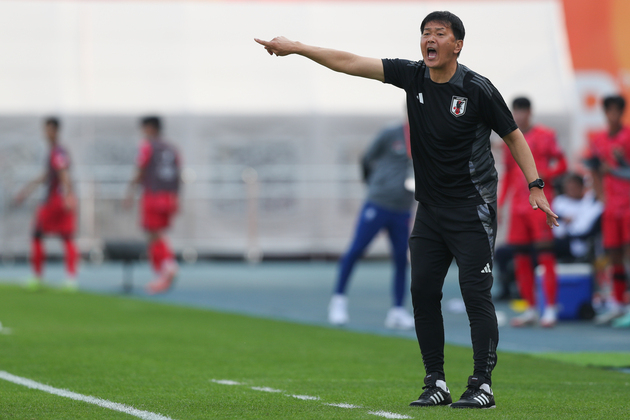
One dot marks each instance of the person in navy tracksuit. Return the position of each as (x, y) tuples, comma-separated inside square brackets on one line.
[(386, 166)]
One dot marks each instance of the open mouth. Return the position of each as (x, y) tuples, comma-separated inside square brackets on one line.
[(431, 53)]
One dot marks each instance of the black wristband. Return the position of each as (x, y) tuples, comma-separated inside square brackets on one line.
[(538, 183)]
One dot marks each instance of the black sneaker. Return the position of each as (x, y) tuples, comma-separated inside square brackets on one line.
[(476, 396), (436, 393)]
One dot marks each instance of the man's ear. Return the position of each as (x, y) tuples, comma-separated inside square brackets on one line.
[(459, 44)]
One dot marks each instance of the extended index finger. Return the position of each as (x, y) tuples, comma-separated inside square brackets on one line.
[(545, 207)]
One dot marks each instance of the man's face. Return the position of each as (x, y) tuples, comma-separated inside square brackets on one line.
[(573, 189), (613, 115), (522, 117), (438, 45), (150, 132), (51, 132)]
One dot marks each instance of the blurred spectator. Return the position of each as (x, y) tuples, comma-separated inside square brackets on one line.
[(528, 228), (56, 215), (606, 148), (386, 166), (158, 171), (579, 213)]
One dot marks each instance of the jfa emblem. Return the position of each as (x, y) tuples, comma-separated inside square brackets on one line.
[(458, 106)]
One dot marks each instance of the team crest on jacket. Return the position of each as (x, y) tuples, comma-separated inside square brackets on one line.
[(458, 106)]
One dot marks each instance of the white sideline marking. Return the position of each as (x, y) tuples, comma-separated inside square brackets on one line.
[(225, 382), (305, 397), (146, 415), (389, 415), (343, 405), (266, 389), (381, 413), (4, 330)]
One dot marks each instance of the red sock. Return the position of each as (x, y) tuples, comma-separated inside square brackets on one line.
[(159, 251), (550, 282), (71, 256), (37, 256), (155, 255), (167, 252), (619, 283), (524, 271)]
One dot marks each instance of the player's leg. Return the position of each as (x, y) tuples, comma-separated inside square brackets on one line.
[(155, 249), (430, 261), (43, 219), (473, 247), (547, 259), (398, 230), (71, 257), (38, 255), (371, 220), (157, 211), (613, 241), (623, 321), (520, 237), (66, 227), (543, 243), (504, 261), (162, 261)]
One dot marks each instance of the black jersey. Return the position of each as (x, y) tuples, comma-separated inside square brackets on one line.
[(450, 126)]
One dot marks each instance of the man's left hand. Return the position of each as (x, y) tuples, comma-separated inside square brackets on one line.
[(538, 200)]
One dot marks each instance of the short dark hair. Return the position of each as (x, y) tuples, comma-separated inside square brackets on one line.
[(521, 103), (448, 18), (615, 100), (54, 121), (151, 121), (572, 176)]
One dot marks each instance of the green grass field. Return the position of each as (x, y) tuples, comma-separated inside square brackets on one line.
[(162, 359)]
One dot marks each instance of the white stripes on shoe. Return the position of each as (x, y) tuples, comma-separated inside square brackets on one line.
[(482, 399), (437, 398)]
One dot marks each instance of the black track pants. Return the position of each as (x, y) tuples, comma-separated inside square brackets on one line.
[(467, 234)]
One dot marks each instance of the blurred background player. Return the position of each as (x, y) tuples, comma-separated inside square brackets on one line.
[(56, 215), (386, 165), (158, 171), (579, 215), (527, 229), (607, 147)]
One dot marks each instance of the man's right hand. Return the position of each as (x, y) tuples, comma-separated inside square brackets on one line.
[(279, 46)]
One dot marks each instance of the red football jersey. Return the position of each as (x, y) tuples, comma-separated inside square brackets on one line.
[(161, 164), (550, 163), (606, 148), (57, 160)]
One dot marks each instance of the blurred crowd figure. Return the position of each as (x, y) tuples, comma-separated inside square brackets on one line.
[(608, 151), (56, 214), (386, 166), (579, 213), (593, 210), (528, 229), (158, 170)]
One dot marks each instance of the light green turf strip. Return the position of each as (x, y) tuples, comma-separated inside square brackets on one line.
[(605, 360), (162, 359)]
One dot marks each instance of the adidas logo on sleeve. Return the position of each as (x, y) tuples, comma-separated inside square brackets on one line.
[(487, 269)]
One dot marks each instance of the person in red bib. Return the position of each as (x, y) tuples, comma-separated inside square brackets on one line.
[(607, 148), (56, 215), (158, 172), (528, 232)]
